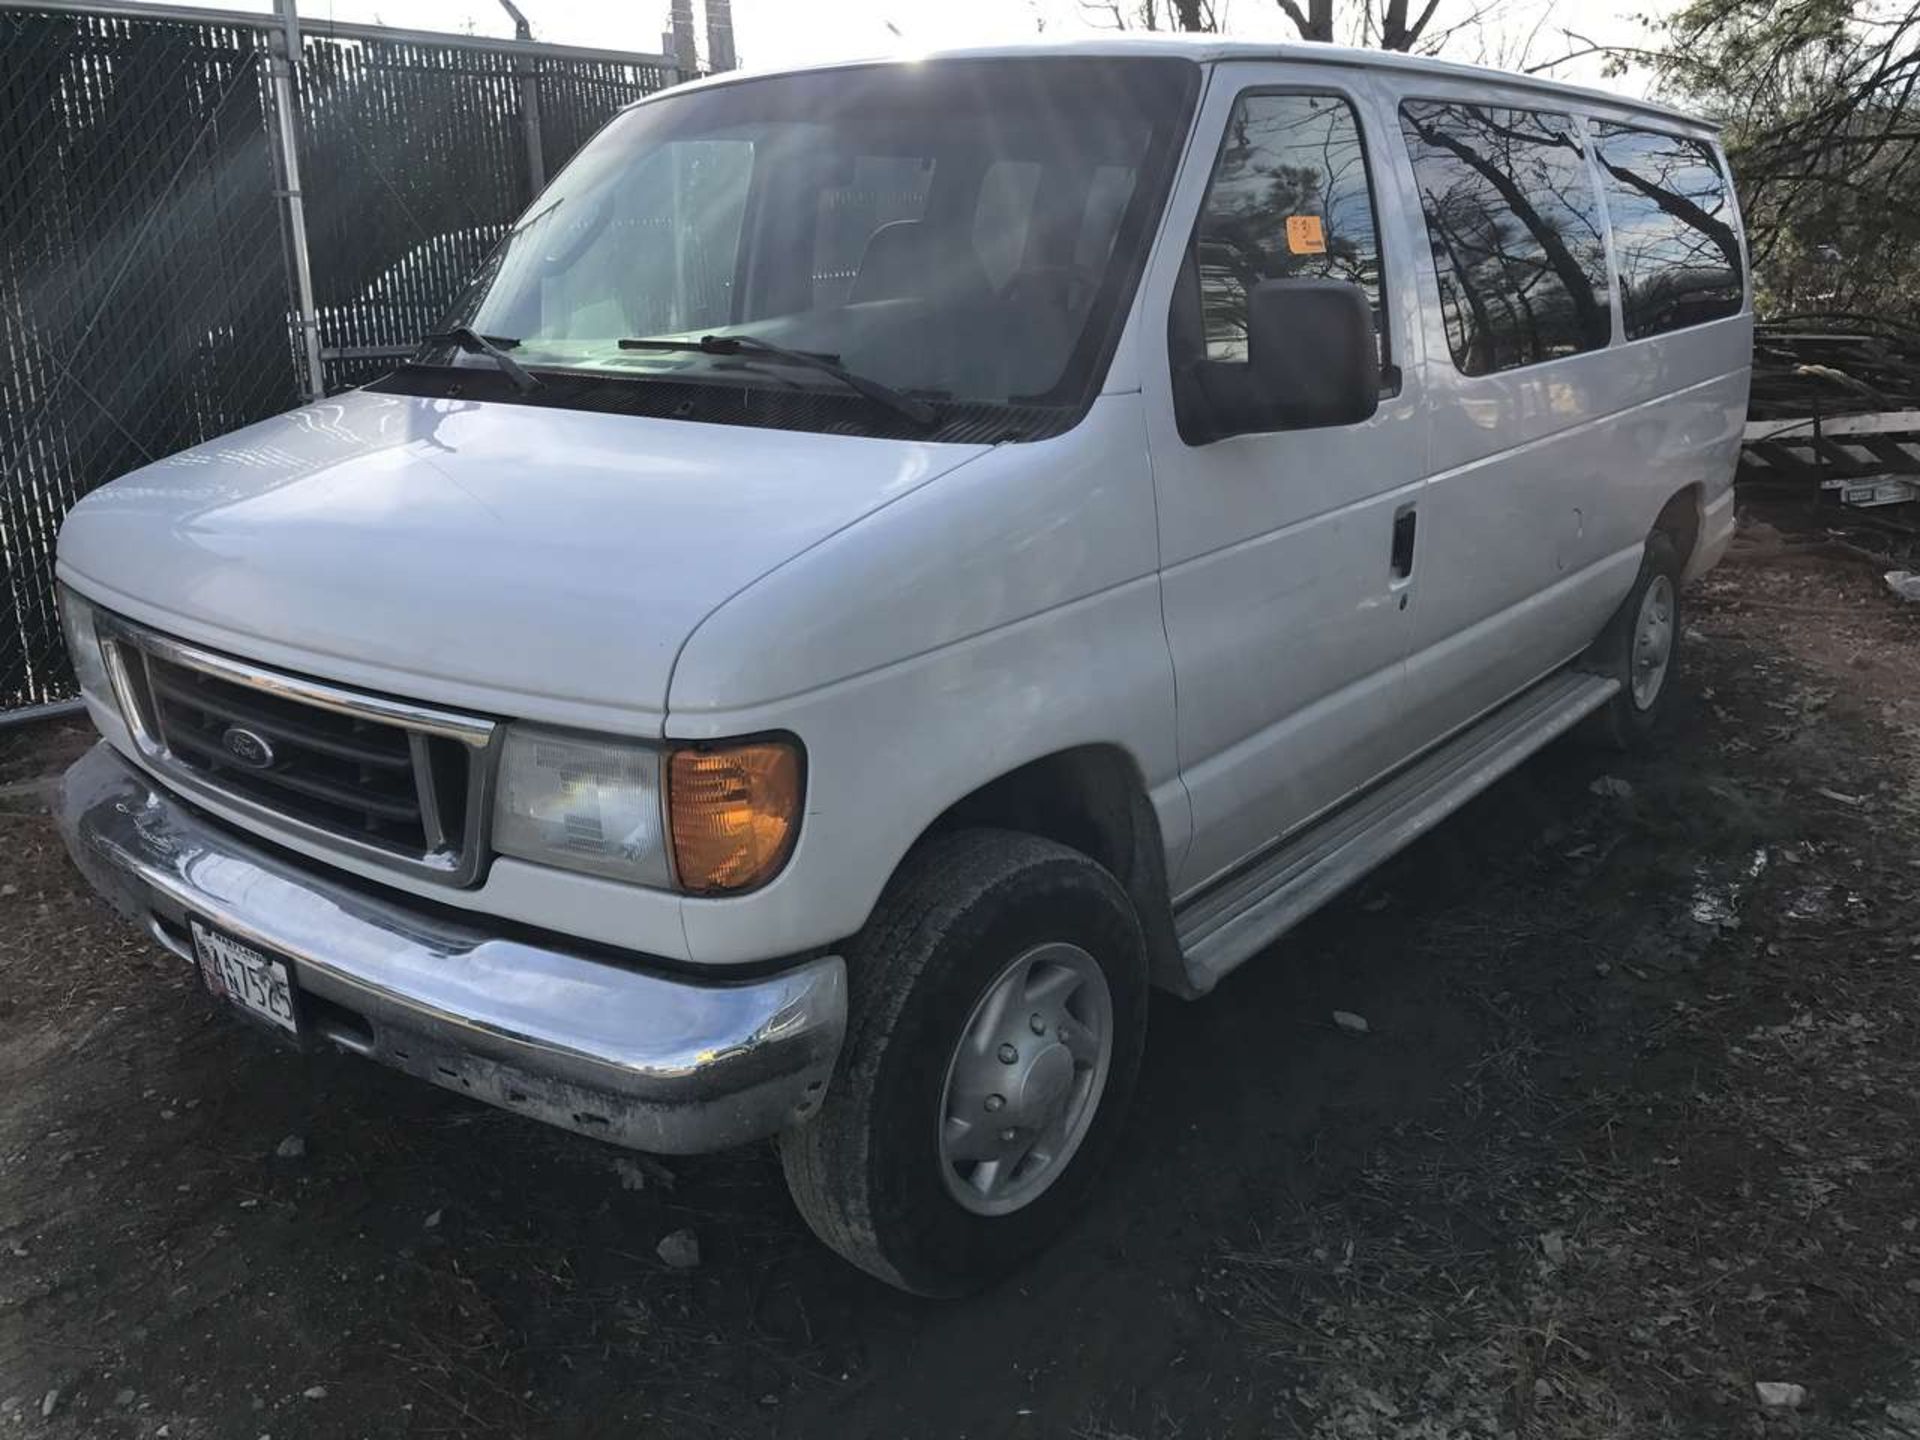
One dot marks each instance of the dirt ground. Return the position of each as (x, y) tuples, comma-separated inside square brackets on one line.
[(1636, 1125)]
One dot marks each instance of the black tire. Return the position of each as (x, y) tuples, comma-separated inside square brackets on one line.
[(865, 1171), (1626, 723)]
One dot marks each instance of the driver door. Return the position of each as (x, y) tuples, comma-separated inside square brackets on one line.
[(1290, 562)]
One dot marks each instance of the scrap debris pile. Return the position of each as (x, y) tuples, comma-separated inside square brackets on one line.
[(1836, 412)]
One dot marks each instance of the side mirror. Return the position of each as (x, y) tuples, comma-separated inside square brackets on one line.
[(1312, 361)]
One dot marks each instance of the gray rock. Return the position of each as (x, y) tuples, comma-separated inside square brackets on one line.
[(1351, 1023), (632, 1177), (1612, 787), (124, 1398), (49, 1404), (1779, 1394), (294, 1147), (315, 1392), (637, 1172), (680, 1250)]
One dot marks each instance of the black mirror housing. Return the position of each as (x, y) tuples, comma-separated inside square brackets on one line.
[(1312, 361)]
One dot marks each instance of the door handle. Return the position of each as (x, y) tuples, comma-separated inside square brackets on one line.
[(1406, 522)]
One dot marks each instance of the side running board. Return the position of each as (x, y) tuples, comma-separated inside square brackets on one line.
[(1225, 926)]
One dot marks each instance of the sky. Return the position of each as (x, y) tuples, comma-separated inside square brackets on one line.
[(783, 32)]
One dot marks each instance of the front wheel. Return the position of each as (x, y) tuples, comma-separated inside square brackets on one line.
[(999, 1014)]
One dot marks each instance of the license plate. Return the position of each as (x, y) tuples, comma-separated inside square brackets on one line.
[(249, 978)]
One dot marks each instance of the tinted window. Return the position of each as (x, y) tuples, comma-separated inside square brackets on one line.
[(1673, 229), (1289, 197), (1515, 229)]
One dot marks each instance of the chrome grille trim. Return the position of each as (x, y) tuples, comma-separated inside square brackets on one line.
[(452, 854)]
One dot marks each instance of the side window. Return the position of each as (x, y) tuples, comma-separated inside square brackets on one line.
[(1290, 196), (1515, 228), (1674, 239)]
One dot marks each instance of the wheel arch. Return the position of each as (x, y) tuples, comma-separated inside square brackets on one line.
[(1681, 517), (1091, 798)]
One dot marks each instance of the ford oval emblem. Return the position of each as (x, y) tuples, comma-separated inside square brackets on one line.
[(249, 747)]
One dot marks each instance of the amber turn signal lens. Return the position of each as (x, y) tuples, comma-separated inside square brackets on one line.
[(734, 811)]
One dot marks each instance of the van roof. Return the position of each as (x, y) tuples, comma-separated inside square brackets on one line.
[(1206, 49)]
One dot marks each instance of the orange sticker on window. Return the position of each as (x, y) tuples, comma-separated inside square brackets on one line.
[(1305, 235)]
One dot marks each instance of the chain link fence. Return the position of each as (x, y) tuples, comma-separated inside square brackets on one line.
[(147, 293)]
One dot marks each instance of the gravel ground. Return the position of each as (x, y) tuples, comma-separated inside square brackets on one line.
[(1632, 1130)]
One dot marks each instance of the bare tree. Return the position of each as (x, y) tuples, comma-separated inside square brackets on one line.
[(1420, 26), (1423, 26), (1315, 22), (1190, 15), (1820, 106)]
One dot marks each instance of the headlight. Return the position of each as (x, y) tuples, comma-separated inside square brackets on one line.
[(83, 649), (726, 823), (582, 803)]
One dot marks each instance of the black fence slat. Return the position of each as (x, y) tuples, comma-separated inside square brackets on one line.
[(120, 291), (145, 288)]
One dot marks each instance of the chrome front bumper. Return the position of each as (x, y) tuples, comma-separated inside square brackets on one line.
[(643, 1059)]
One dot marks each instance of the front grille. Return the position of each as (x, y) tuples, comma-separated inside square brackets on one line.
[(337, 771), (382, 777)]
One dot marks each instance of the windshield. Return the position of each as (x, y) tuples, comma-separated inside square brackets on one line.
[(966, 232)]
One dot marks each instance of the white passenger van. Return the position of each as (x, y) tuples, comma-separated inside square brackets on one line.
[(888, 562)]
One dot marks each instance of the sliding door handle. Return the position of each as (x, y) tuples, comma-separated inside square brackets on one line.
[(1406, 522)]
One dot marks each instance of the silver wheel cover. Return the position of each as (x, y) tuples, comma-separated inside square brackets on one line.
[(1025, 1081), (1652, 643)]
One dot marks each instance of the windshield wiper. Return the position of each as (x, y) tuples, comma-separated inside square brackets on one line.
[(472, 342), (916, 410)]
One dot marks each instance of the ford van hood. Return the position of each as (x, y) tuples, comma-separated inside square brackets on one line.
[(540, 562)]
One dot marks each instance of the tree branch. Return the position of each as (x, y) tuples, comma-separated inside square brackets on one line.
[(1298, 16)]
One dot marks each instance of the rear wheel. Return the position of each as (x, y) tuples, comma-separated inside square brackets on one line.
[(1641, 649), (999, 1013)]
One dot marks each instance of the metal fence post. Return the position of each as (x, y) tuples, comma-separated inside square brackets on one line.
[(530, 118), (286, 127), (528, 69)]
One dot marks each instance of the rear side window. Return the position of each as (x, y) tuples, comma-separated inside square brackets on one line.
[(1290, 198), (1514, 224), (1674, 238)]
